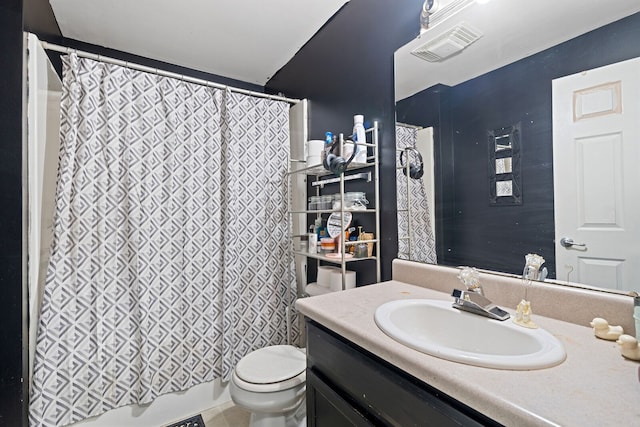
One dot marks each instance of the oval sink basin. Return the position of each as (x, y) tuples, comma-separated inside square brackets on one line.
[(435, 328)]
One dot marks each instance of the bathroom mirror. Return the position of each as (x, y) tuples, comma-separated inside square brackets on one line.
[(503, 78)]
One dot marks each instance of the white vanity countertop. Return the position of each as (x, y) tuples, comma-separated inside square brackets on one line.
[(594, 386)]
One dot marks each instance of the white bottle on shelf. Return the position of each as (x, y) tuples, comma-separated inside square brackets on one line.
[(359, 137)]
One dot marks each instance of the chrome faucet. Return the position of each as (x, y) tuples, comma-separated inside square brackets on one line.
[(474, 302), (473, 299)]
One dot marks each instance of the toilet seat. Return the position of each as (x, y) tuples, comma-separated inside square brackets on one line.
[(271, 369)]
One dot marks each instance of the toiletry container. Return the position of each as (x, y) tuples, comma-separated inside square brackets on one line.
[(312, 238), (326, 202), (328, 139), (314, 203), (361, 251), (327, 244), (359, 137), (354, 200)]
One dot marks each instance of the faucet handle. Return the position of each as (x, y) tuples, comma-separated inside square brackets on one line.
[(470, 277)]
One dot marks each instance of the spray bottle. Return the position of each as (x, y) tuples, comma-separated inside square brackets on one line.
[(359, 137)]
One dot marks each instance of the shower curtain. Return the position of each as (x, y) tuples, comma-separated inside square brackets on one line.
[(170, 254), (422, 243)]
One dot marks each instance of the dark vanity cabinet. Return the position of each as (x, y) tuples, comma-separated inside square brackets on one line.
[(348, 386)]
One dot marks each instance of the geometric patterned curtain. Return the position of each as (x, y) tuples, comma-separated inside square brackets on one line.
[(170, 258), (420, 246)]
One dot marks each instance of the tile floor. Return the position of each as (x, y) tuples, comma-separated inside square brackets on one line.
[(226, 415)]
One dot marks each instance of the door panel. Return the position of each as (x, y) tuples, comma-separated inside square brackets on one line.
[(599, 181), (596, 158), (601, 270)]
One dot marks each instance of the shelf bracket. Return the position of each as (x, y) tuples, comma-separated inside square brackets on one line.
[(323, 182)]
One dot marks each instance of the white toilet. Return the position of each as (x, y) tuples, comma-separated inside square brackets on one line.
[(270, 382)]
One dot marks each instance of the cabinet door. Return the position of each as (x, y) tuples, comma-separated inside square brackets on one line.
[(326, 408), (387, 395)]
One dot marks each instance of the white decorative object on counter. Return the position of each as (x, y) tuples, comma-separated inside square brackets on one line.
[(629, 347), (603, 330), (523, 315)]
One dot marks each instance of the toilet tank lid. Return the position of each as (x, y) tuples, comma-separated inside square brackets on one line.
[(271, 364)]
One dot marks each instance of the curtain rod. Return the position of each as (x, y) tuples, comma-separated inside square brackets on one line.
[(406, 125), (134, 66)]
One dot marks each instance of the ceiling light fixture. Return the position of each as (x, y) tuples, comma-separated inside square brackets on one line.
[(429, 7)]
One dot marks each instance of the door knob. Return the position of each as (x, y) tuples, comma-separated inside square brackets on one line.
[(568, 242)]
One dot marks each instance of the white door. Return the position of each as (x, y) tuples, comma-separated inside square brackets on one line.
[(596, 167)]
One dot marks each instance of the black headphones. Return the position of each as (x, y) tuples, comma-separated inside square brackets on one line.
[(415, 172), (336, 164)]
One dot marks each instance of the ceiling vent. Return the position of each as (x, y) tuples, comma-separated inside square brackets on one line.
[(448, 44)]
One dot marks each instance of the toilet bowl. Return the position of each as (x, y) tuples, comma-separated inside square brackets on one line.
[(270, 383)]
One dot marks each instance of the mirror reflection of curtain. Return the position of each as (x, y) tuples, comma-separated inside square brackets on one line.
[(420, 245), (160, 277)]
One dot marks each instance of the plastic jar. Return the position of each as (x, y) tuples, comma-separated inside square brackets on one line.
[(355, 196), (361, 251), (326, 201), (327, 244), (314, 203), (355, 200)]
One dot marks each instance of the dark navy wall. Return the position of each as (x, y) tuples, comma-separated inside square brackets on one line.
[(12, 328), (347, 69), (497, 237)]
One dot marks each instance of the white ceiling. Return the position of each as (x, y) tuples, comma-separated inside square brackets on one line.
[(513, 29), (248, 40)]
